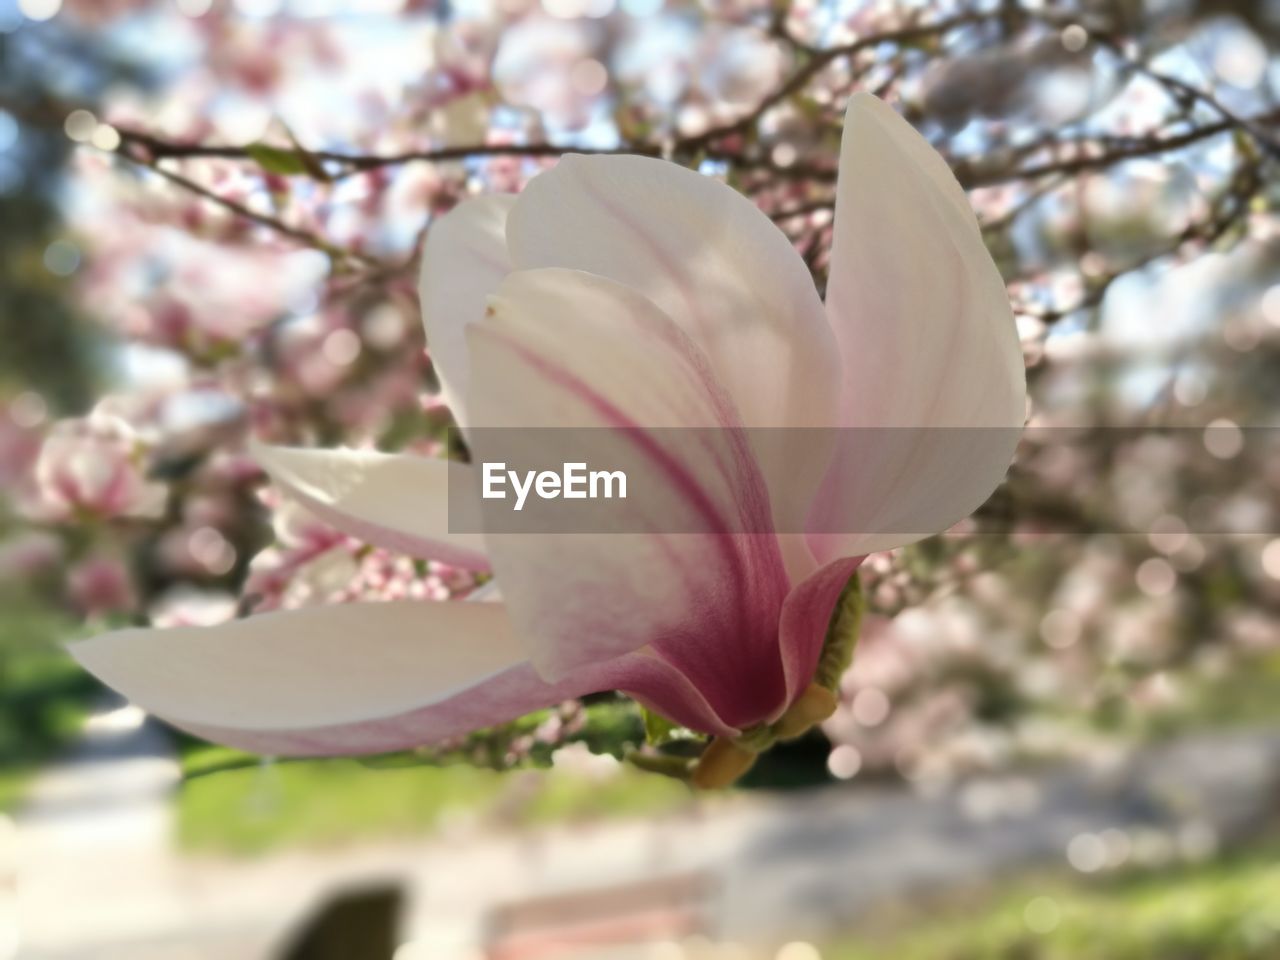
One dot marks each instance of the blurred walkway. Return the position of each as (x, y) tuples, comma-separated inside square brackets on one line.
[(92, 849), (99, 882)]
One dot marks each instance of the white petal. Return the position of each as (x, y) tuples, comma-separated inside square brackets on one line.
[(562, 349), (921, 314), (927, 340), (398, 501), (464, 260), (718, 267), (310, 667)]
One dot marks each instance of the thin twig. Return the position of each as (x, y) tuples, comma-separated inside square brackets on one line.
[(305, 237)]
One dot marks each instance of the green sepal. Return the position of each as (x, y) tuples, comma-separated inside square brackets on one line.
[(657, 728), (842, 635), (678, 768)]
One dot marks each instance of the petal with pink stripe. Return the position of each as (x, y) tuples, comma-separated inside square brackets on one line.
[(724, 273), (560, 349)]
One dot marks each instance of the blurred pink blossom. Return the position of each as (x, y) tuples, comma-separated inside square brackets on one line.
[(101, 585), (95, 466)]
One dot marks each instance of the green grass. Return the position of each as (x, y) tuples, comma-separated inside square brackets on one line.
[(1247, 696), (332, 802), (44, 695), (1225, 910), (260, 807), (13, 785), (557, 797)]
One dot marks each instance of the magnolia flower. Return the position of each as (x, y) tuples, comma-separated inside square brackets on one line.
[(94, 465), (628, 291)]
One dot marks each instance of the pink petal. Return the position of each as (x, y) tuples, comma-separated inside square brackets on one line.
[(806, 615)]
